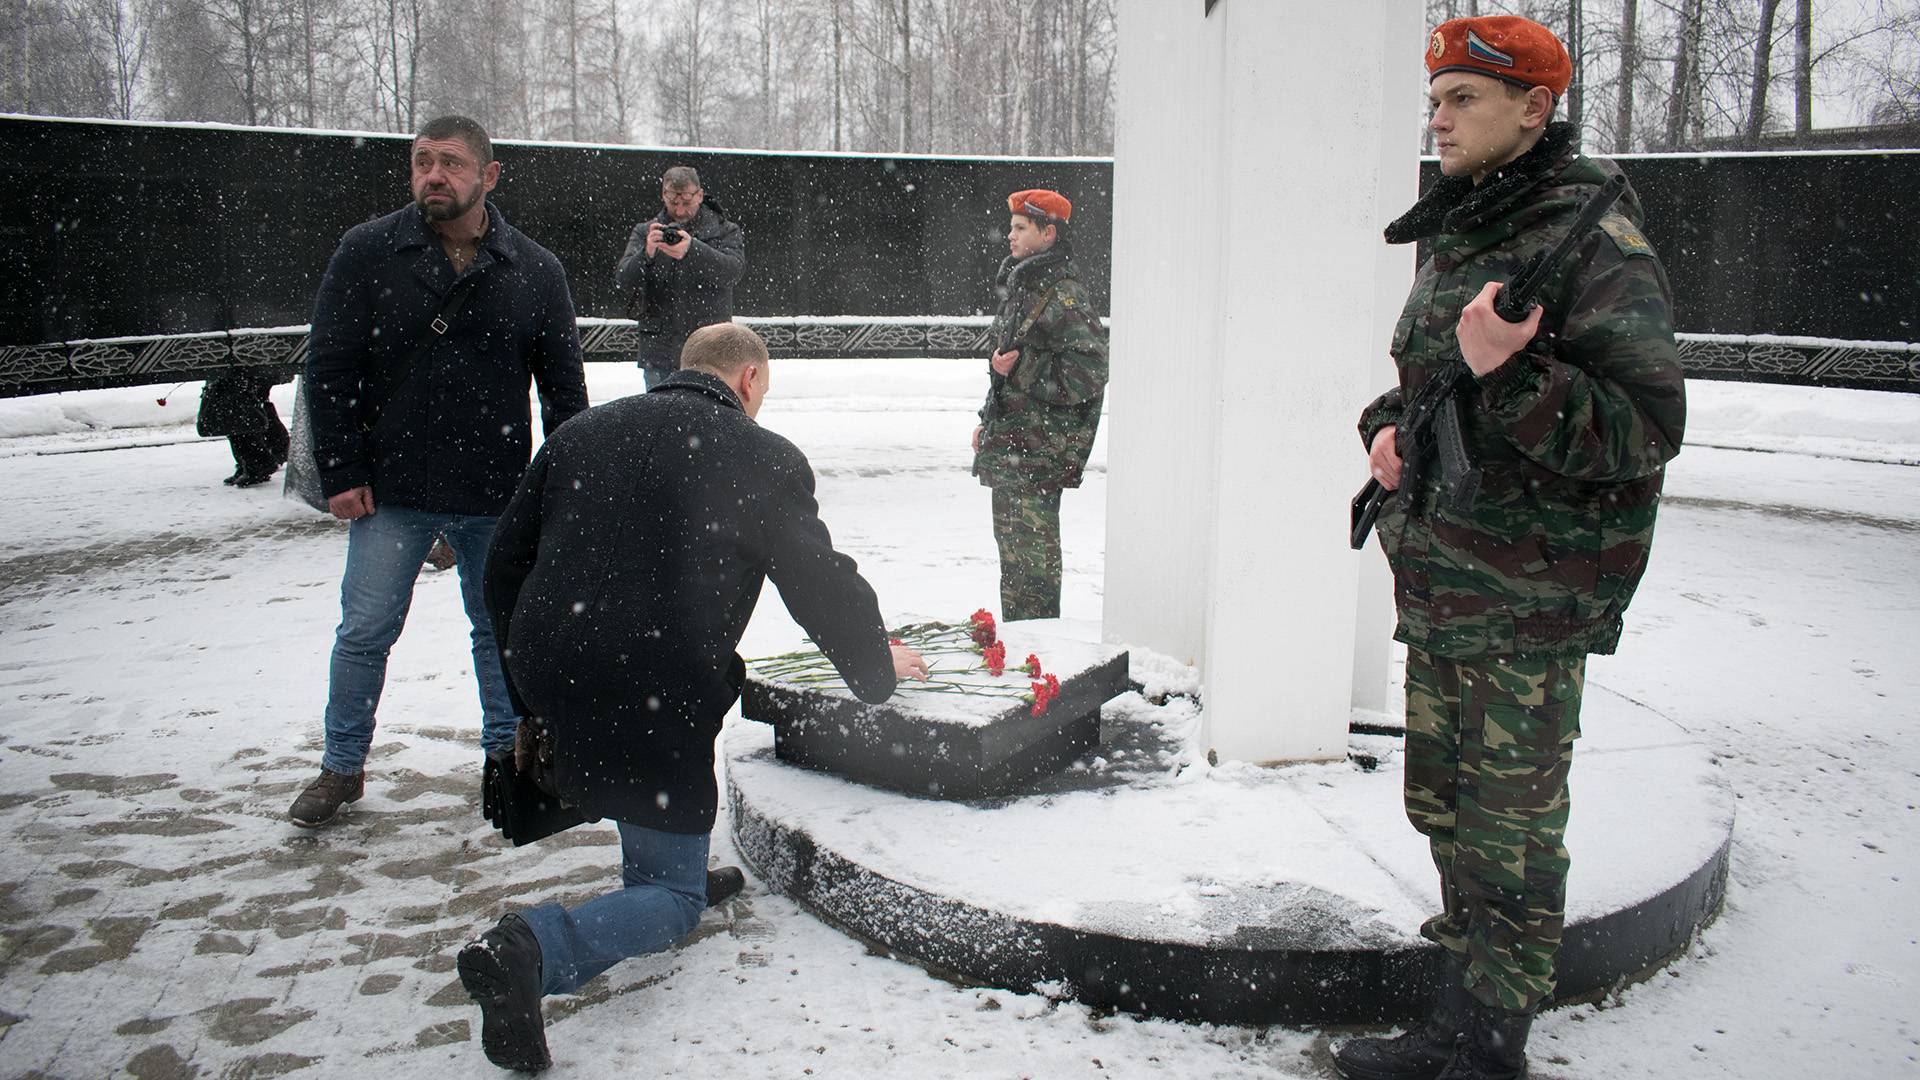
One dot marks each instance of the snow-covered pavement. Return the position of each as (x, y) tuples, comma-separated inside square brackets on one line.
[(163, 644)]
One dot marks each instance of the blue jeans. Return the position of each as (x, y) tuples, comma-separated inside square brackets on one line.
[(384, 553), (666, 890)]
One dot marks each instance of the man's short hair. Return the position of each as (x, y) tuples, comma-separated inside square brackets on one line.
[(723, 349), (680, 176), (459, 127)]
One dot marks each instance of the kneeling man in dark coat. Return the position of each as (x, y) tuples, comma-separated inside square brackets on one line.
[(620, 581)]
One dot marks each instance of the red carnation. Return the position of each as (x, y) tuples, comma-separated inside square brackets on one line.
[(995, 656), (981, 624), (1032, 666), (1041, 698), (1053, 687), (895, 641)]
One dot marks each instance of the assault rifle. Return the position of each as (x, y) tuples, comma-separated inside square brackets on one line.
[(1432, 421)]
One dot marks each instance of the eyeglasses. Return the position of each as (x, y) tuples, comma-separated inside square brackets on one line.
[(681, 198)]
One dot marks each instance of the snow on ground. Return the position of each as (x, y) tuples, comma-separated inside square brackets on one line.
[(163, 646)]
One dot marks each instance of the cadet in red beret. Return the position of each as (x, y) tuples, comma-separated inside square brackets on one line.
[(1047, 379), (1569, 417), (1493, 83)]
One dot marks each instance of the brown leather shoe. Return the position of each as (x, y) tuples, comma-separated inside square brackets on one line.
[(320, 803), (440, 556)]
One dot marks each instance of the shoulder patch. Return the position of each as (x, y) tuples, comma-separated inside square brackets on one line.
[(1625, 236)]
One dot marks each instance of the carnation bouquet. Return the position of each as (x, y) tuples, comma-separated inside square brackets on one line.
[(962, 658)]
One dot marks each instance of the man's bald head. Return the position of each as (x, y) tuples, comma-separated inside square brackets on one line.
[(733, 354), (723, 349)]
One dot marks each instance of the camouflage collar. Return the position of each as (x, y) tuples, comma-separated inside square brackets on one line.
[(1454, 205)]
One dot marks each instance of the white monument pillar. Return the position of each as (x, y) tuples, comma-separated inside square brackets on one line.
[(1260, 149)]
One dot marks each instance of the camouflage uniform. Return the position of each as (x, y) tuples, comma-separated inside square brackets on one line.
[(1039, 422), (1500, 605)]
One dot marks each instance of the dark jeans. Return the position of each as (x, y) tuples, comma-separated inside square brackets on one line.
[(384, 552), (665, 879)]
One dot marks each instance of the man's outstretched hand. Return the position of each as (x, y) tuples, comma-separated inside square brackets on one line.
[(908, 664)]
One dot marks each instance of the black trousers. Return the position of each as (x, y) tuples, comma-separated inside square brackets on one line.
[(257, 454)]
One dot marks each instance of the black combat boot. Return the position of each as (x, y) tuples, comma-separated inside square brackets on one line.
[(1493, 1047), (501, 971), (1421, 1052), (723, 884)]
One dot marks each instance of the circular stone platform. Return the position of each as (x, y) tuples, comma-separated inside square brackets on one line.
[(1233, 895)]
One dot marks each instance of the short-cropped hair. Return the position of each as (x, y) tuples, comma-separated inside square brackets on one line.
[(459, 127), (723, 349), (680, 176)]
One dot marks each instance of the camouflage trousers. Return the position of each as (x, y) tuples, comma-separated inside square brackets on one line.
[(1026, 526), (1489, 746)]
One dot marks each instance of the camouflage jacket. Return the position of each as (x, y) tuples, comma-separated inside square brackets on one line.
[(1041, 419), (1572, 434)]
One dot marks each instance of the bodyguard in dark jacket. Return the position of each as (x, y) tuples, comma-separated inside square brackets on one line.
[(621, 579), (429, 324), (679, 271), (447, 430)]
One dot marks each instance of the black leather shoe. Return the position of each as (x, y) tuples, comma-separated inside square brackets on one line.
[(723, 884), (501, 971)]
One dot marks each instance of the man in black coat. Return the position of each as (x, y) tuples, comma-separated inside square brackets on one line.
[(621, 579), (679, 271), (429, 324)]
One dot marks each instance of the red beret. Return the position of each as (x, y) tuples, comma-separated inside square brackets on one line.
[(1041, 205), (1507, 47)]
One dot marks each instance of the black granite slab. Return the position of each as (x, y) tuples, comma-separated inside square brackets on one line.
[(918, 743)]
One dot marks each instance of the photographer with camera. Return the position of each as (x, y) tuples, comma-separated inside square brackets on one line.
[(679, 271)]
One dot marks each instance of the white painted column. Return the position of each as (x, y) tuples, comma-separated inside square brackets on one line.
[(1259, 152)]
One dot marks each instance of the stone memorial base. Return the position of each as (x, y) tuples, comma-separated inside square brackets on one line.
[(1235, 894), (949, 743)]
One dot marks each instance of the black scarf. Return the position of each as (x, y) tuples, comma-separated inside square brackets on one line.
[(1014, 272), (1454, 203)]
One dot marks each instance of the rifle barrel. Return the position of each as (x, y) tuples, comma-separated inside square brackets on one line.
[(1515, 300)]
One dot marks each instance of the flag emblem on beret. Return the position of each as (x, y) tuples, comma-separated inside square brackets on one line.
[(1482, 51)]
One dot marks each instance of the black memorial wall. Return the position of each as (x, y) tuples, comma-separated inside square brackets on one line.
[(1818, 244), (124, 229)]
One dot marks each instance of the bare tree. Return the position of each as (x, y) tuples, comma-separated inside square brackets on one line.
[(1803, 68), (1017, 76), (1629, 72), (120, 32), (1762, 71), (839, 57), (188, 54), (684, 63)]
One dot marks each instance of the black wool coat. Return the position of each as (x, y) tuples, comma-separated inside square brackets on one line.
[(670, 298), (621, 578), (448, 431)]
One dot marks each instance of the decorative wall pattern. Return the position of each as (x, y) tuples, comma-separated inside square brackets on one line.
[(81, 365)]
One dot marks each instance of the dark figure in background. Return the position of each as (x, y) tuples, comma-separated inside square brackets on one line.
[(235, 404), (429, 324), (1048, 377), (621, 578), (1572, 415), (679, 271)]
